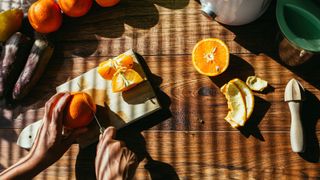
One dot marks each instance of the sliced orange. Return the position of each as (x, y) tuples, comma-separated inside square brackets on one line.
[(210, 57), (106, 69), (124, 60), (125, 79)]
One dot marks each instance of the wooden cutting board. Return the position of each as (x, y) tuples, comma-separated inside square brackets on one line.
[(113, 109)]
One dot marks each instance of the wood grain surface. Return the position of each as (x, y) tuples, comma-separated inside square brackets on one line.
[(190, 140)]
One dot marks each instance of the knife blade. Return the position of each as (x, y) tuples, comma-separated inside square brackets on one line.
[(294, 95), (101, 128)]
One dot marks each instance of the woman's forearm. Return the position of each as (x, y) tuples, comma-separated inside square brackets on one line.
[(26, 168)]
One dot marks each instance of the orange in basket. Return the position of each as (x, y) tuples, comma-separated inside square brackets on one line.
[(210, 57)]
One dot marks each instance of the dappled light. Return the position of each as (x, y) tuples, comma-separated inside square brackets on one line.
[(179, 131)]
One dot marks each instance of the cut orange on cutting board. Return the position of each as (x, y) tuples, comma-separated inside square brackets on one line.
[(125, 79), (123, 60), (106, 69), (210, 57)]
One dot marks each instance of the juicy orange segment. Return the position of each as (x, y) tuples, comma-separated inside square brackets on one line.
[(125, 79), (124, 60), (210, 57), (106, 69)]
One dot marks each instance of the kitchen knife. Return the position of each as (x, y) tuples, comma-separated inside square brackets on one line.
[(28, 134), (294, 95)]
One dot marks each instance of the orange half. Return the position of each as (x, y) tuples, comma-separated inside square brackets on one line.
[(210, 57)]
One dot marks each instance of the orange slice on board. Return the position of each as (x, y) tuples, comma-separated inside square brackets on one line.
[(108, 68), (123, 60), (125, 79), (210, 57)]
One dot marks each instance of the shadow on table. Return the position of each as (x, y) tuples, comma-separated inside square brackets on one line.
[(2, 168), (159, 170), (309, 117), (131, 135), (10, 135), (309, 71), (264, 36), (258, 36), (85, 163), (110, 23), (238, 68), (251, 127)]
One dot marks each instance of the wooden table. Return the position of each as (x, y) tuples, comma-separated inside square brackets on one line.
[(194, 142)]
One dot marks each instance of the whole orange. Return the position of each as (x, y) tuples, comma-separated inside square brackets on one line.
[(45, 16), (79, 111), (107, 3), (75, 8)]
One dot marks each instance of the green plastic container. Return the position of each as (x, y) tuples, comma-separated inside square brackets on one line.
[(299, 21)]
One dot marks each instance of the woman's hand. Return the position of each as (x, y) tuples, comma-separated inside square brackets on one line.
[(49, 144), (113, 159)]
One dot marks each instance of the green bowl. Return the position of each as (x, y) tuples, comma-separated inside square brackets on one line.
[(299, 21)]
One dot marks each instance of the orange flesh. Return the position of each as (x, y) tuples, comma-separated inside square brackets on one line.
[(211, 57), (125, 80), (106, 69), (79, 110), (124, 61), (45, 16)]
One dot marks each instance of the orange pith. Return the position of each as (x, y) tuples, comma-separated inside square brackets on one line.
[(124, 60), (119, 70), (107, 68), (79, 111), (125, 79), (210, 57)]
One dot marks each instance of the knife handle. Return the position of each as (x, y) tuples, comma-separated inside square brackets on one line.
[(296, 131)]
